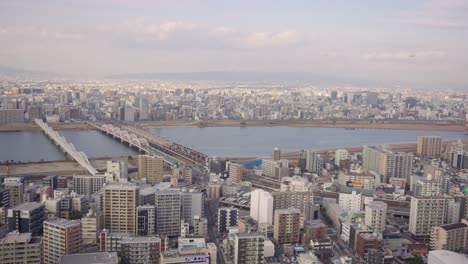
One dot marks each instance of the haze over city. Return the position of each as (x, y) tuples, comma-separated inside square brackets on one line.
[(396, 43)]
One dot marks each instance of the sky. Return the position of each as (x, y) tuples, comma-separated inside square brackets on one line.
[(408, 42)]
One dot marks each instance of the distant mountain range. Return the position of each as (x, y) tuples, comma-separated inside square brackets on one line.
[(239, 76), (15, 72)]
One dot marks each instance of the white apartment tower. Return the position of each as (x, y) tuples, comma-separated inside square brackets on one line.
[(261, 206)]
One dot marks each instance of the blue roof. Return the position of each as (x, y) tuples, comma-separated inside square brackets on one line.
[(255, 163)]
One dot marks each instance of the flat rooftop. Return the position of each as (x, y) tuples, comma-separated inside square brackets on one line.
[(28, 206), (91, 258)]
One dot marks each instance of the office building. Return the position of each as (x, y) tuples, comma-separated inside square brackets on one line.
[(192, 205), (151, 168), (276, 154), (287, 226), (261, 206), (146, 220), (200, 226), (379, 256), (26, 218), (16, 189), (140, 250), (61, 237), (119, 207), (341, 155), (376, 215), (388, 164), (248, 248), (235, 171), (429, 146), (227, 218), (18, 248), (458, 155), (426, 213), (87, 184), (91, 225), (453, 237), (214, 190), (314, 162), (168, 212), (90, 258)]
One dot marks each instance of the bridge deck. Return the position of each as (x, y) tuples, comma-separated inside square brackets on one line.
[(68, 148)]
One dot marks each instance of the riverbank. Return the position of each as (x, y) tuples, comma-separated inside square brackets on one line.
[(395, 125), (56, 167), (33, 127)]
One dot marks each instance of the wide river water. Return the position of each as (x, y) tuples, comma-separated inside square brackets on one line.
[(214, 141)]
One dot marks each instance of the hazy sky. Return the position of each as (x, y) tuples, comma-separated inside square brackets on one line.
[(405, 41)]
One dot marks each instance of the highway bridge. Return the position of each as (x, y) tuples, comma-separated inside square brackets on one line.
[(66, 147), (136, 142), (142, 139)]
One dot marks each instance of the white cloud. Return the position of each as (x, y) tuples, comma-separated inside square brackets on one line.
[(262, 39)]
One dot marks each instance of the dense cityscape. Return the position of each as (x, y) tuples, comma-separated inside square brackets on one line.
[(233, 132), (173, 204)]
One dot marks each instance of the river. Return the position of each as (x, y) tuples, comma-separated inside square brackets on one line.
[(214, 141)]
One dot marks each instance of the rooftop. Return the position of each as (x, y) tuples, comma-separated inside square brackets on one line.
[(63, 222), (120, 186), (28, 206), (15, 237), (454, 226), (91, 258)]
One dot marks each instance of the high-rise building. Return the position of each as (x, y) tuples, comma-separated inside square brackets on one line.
[(429, 146), (88, 184), (192, 205), (388, 164), (119, 210), (26, 218), (261, 206), (18, 247), (118, 169), (168, 212), (227, 218), (299, 200), (61, 237), (248, 248), (91, 225), (140, 250), (275, 169), (146, 220), (341, 155), (376, 215), (287, 226), (314, 162), (187, 173), (235, 172), (16, 189), (458, 155), (426, 213), (453, 237), (4, 198), (11, 116), (353, 202), (276, 154), (151, 168)]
